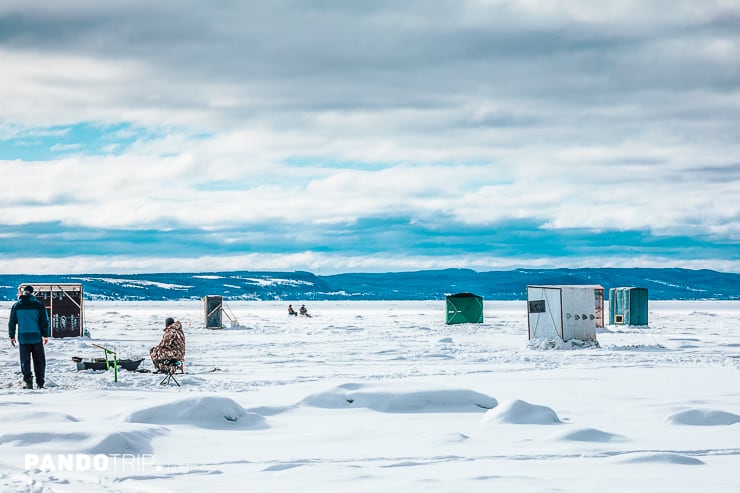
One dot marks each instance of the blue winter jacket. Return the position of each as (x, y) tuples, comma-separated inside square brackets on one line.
[(29, 314)]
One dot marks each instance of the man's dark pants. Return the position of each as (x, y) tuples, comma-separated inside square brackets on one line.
[(35, 351)]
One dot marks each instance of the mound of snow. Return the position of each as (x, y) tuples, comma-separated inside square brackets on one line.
[(283, 467), (589, 435), (520, 412), (34, 438), (204, 412), (394, 401), (663, 457), (703, 314), (703, 417), (42, 416), (453, 438), (135, 442), (557, 344), (637, 347)]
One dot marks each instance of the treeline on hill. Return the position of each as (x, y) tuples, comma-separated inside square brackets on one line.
[(662, 284)]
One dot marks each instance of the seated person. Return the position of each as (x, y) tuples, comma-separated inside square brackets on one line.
[(291, 311), (304, 311), (172, 345)]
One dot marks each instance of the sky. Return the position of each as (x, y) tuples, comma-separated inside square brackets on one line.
[(337, 136)]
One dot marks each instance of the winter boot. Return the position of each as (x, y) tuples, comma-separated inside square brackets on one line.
[(27, 383)]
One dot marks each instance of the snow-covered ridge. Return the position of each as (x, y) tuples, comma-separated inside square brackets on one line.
[(133, 283), (272, 281), (662, 284)]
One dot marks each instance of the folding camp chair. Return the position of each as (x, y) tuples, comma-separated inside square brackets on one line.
[(173, 365)]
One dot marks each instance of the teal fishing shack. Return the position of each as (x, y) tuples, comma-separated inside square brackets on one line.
[(628, 306), (464, 308)]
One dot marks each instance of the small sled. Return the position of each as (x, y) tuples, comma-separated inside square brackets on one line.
[(105, 363), (100, 364)]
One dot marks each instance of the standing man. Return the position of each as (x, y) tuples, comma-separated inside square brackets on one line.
[(29, 314)]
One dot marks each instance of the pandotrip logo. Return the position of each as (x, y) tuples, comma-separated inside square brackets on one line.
[(110, 463)]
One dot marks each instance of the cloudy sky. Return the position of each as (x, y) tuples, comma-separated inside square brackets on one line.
[(368, 136)]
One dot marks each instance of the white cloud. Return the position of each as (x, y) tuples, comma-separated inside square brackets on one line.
[(568, 114), (324, 264)]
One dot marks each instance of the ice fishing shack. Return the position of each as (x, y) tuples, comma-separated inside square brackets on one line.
[(464, 308), (628, 306), (63, 302), (565, 312)]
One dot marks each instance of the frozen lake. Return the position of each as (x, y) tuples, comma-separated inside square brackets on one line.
[(368, 396)]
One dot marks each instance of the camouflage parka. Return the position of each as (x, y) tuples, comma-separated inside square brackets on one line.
[(172, 345)]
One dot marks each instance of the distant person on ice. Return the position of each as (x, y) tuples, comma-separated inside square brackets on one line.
[(172, 345), (29, 315), (291, 311), (304, 311)]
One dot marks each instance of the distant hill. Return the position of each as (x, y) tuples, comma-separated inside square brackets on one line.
[(662, 284)]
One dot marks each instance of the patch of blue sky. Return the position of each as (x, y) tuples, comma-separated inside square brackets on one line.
[(49, 143), (370, 236), (329, 163), (58, 240), (220, 186), (323, 162), (516, 239)]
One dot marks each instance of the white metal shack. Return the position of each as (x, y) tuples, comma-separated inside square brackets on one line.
[(565, 311)]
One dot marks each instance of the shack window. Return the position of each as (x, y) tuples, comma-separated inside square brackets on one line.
[(537, 306)]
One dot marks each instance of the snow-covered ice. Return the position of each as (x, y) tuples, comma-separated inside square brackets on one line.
[(370, 396)]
